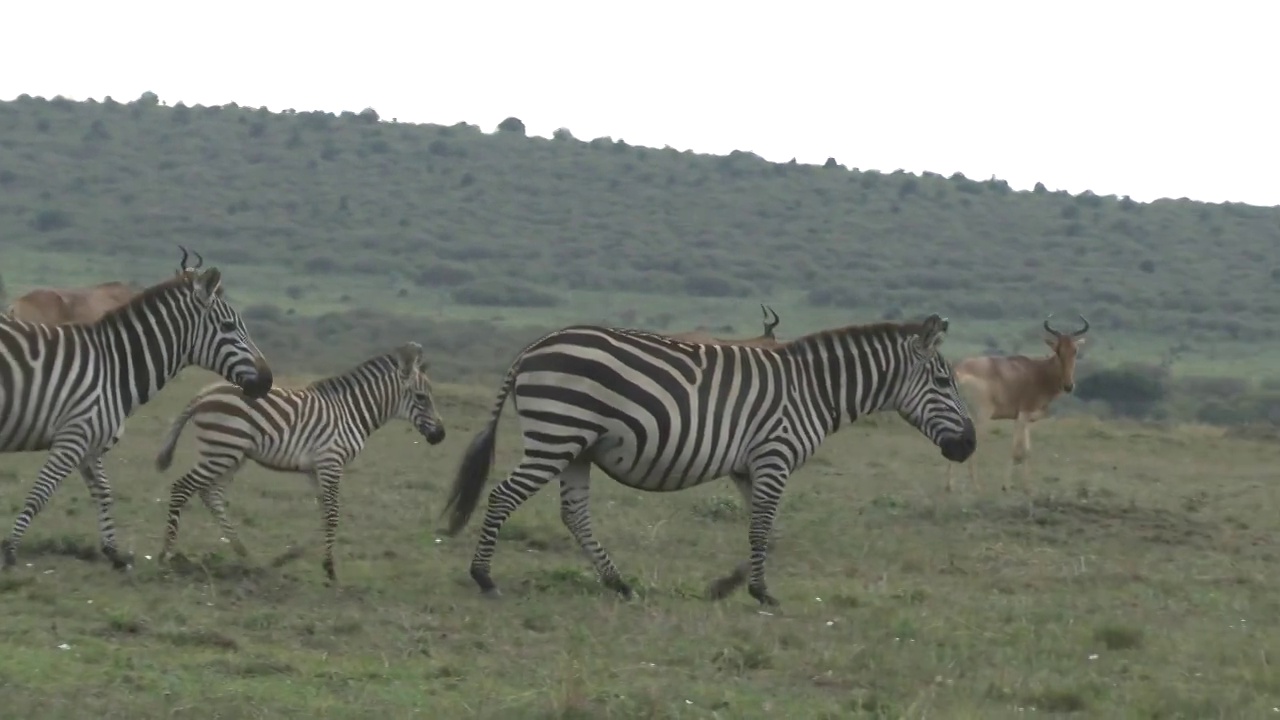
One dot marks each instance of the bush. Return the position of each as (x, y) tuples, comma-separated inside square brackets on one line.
[(1132, 390), (443, 274), (503, 293)]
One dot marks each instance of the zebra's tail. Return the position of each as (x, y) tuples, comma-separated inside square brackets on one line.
[(165, 458), (473, 471)]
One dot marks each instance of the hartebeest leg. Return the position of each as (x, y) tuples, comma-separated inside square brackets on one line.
[(1019, 455), (971, 464)]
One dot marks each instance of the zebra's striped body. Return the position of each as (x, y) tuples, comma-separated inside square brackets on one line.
[(68, 389), (315, 430), (662, 415)]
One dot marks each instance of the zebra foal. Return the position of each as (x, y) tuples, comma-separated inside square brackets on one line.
[(661, 415), (315, 430), (68, 389)]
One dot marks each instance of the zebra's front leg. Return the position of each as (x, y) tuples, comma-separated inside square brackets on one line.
[(575, 513), (62, 457), (766, 492), (95, 476), (721, 588), (327, 477)]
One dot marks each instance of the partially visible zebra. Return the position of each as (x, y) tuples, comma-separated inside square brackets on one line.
[(663, 415), (69, 388), (315, 430)]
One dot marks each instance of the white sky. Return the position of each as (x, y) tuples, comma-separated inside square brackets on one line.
[(1148, 99)]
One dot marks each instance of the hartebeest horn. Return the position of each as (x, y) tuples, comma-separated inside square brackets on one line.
[(1082, 330), (1048, 329), (199, 261), (182, 266), (769, 326)]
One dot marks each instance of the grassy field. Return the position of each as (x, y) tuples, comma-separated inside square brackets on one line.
[(1142, 585)]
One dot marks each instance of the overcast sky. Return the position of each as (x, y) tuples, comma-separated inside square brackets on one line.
[(1149, 100)]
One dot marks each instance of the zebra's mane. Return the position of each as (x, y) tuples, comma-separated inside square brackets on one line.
[(151, 292), (340, 383), (877, 329)]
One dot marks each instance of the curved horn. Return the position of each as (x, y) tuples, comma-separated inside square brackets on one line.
[(199, 261), (1049, 329), (183, 264), (1082, 330), (769, 326)]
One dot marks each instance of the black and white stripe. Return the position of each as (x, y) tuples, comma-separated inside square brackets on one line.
[(68, 389), (659, 414), (315, 430)]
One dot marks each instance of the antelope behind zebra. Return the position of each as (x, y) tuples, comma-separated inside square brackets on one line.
[(315, 430), (661, 415), (1020, 388), (767, 339), (59, 306), (68, 389)]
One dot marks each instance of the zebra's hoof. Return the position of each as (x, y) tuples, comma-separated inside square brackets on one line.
[(10, 552), (762, 596), (492, 593), (487, 586), (119, 560)]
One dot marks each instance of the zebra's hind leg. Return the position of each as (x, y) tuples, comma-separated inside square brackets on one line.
[(62, 457), (575, 513), (206, 473), (528, 478), (100, 489)]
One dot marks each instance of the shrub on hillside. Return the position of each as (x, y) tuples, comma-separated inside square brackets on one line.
[(503, 293)]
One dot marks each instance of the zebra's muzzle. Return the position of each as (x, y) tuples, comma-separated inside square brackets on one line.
[(433, 433), (257, 385), (958, 447)]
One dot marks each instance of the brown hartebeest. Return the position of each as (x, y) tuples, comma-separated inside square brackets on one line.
[(61, 306), (766, 340), (1019, 388)]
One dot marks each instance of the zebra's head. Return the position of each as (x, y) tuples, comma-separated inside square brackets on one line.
[(219, 341), (416, 404), (928, 398)]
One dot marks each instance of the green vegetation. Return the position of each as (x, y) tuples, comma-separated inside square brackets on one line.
[(346, 234), (1143, 586)]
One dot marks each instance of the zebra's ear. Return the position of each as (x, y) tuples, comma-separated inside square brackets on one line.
[(207, 285), (933, 331), (410, 356)]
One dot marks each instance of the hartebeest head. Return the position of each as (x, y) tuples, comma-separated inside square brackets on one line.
[(1066, 346), (768, 325)]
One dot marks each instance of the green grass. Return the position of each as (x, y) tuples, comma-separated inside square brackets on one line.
[(1142, 586)]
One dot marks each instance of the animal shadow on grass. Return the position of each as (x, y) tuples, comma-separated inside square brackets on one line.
[(1065, 519), (244, 577), (72, 546)]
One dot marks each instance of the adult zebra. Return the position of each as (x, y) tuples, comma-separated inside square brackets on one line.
[(315, 430), (659, 414), (68, 389)]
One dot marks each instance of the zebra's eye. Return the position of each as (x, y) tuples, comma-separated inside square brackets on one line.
[(944, 381), (227, 326)]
